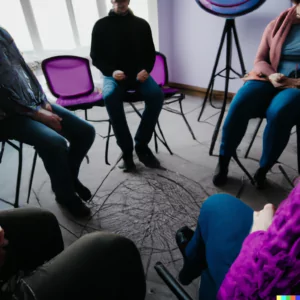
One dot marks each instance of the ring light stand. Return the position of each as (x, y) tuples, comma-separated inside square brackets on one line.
[(228, 9)]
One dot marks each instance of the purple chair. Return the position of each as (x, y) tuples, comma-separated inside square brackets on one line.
[(172, 95), (70, 80)]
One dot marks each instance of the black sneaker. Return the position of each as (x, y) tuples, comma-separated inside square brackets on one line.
[(75, 207), (221, 172), (128, 165), (146, 156), (82, 191)]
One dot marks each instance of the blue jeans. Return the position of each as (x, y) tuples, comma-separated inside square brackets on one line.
[(62, 161), (114, 94), (223, 224), (260, 99)]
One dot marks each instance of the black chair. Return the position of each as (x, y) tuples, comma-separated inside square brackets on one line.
[(19, 148), (171, 282)]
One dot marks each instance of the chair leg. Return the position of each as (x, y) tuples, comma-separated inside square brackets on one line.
[(164, 140), (2, 151), (86, 114), (244, 169), (107, 143), (32, 175), (185, 120), (253, 138), (19, 176), (155, 142)]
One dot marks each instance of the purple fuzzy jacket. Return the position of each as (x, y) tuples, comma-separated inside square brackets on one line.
[(269, 261)]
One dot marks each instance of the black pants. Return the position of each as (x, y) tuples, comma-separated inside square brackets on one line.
[(97, 266)]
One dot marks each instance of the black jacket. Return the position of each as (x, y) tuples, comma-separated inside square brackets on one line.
[(122, 43)]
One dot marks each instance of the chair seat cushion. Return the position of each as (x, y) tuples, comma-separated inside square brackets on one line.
[(81, 101)]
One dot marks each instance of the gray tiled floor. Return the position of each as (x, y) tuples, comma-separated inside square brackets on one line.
[(150, 206)]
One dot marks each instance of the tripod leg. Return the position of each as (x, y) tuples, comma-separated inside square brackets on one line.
[(209, 89), (228, 27), (239, 50)]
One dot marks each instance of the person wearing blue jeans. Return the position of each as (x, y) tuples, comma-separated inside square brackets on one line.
[(114, 94), (123, 50), (27, 116), (62, 161), (223, 224), (258, 99)]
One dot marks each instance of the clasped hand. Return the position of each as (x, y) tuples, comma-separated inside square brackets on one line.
[(141, 76)]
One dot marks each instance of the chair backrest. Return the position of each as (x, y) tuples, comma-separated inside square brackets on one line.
[(160, 70), (68, 76)]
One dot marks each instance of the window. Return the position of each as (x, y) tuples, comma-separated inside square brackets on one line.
[(139, 8), (13, 20), (53, 22), (42, 28), (86, 15)]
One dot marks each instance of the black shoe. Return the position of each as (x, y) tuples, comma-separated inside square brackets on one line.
[(221, 172), (146, 156), (260, 178), (183, 236), (75, 207), (128, 165), (189, 272), (83, 192)]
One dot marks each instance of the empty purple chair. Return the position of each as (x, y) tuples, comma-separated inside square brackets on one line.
[(172, 95), (70, 80)]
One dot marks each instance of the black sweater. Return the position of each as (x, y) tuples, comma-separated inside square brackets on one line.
[(122, 43)]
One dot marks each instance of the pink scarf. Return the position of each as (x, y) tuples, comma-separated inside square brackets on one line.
[(280, 32)]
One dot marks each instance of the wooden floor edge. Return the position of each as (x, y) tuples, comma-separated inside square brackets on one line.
[(218, 95)]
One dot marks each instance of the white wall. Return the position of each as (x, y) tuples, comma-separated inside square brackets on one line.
[(190, 38)]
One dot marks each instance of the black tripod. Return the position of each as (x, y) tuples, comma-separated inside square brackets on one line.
[(229, 29)]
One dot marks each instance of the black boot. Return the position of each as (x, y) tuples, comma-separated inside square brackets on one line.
[(221, 172), (260, 177), (128, 164), (82, 191), (75, 207), (189, 271), (146, 156)]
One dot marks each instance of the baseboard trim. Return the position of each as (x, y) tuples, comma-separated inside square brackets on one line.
[(217, 95)]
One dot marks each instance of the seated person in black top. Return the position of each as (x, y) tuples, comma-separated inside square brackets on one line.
[(123, 50)]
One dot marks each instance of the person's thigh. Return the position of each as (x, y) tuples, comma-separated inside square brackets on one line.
[(112, 90), (225, 222), (72, 126), (252, 100), (286, 106), (29, 131), (151, 92), (97, 266), (34, 237)]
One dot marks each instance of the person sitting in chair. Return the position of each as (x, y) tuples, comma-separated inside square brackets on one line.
[(123, 50), (242, 254), (35, 266), (268, 92), (28, 117)]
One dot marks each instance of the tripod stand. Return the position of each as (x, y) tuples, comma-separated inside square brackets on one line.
[(229, 33)]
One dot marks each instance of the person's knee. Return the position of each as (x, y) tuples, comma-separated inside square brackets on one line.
[(216, 201), (111, 92), (108, 243), (54, 144), (88, 132), (41, 217)]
